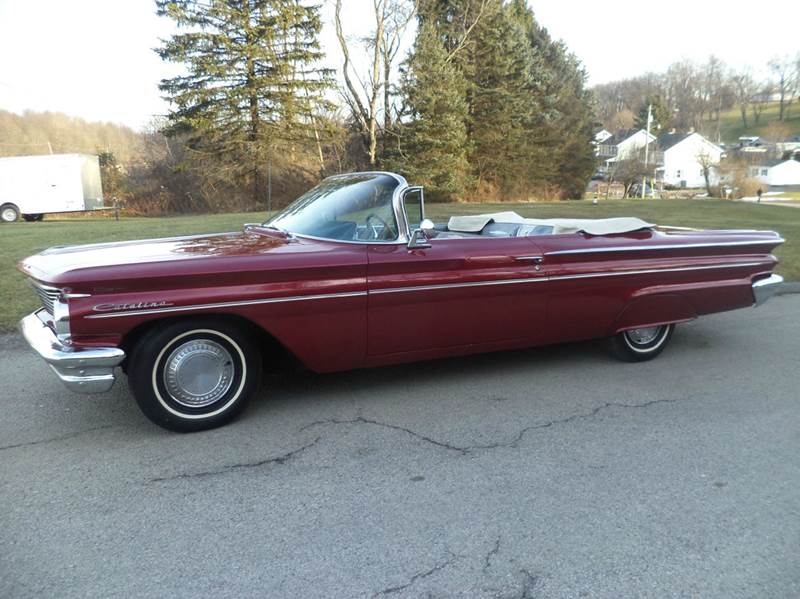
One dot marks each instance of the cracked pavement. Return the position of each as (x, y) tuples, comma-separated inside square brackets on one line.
[(551, 472)]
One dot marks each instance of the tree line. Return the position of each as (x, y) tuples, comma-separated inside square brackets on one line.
[(485, 105), (691, 95)]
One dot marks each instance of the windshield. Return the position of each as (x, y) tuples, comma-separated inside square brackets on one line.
[(350, 208)]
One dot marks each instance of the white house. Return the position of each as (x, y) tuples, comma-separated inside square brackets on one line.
[(601, 136), (683, 157), (777, 172), (621, 145)]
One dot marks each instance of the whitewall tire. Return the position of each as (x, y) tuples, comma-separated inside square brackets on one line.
[(195, 374), (638, 345)]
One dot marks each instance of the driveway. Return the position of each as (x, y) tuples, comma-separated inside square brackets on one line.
[(551, 472)]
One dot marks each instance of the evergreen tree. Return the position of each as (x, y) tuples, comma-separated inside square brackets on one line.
[(504, 107), (568, 122), (434, 140), (661, 113), (252, 85), (530, 122)]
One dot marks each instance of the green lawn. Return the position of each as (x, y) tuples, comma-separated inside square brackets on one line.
[(22, 239)]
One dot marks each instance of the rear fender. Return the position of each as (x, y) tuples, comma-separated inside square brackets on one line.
[(652, 310)]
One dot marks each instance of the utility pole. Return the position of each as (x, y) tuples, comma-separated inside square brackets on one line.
[(647, 145), (269, 182)]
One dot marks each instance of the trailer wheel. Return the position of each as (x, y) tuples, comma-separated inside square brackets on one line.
[(33, 218), (9, 213)]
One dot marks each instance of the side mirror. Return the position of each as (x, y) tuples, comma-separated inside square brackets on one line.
[(420, 238)]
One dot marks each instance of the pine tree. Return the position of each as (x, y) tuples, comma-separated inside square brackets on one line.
[(434, 140), (568, 122), (661, 113), (252, 85), (502, 105)]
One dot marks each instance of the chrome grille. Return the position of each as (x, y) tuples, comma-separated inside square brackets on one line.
[(48, 295)]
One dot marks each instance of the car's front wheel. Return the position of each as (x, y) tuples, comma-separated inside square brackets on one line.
[(638, 345), (194, 375)]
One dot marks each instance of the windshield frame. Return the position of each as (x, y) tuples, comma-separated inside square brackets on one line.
[(397, 206)]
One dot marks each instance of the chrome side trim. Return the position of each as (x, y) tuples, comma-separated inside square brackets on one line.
[(559, 278), (654, 270), (458, 285), (300, 298), (192, 307), (676, 246), (764, 289)]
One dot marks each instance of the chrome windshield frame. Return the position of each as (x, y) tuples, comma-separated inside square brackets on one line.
[(397, 205)]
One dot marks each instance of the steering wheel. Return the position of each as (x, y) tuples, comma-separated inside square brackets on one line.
[(371, 216)]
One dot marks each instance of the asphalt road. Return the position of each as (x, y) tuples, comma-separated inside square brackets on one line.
[(553, 472)]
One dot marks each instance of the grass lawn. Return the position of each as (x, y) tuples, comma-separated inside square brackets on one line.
[(22, 239), (731, 127)]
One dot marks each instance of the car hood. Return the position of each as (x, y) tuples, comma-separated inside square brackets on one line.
[(68, 264)]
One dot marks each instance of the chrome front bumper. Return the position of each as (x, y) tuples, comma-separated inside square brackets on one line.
[(89, 370), (763, 289)]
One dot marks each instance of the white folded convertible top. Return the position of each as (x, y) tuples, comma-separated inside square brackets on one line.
[(591, 226)]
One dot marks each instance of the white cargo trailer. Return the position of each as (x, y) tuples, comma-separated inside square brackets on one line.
[(32, 186)]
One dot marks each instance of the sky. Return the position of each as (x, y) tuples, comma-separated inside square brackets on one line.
[(94, 58)]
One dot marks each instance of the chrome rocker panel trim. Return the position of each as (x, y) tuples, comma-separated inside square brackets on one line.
[(81, 370), (763, 289)]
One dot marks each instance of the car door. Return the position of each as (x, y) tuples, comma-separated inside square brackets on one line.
[(457, 292)]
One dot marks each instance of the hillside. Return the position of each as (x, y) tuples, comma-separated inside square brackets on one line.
[(731, 124), (29, 134)]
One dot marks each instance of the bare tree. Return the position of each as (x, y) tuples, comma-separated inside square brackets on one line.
[(630, 170), (785, 70), (707, 165), (683, 82), (392, 18), (363, 102), (401, 13), (744, 88), (760, 100)]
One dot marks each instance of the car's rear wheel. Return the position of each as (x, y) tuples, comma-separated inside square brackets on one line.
[(194, 375), (638, 345), (9, 213)]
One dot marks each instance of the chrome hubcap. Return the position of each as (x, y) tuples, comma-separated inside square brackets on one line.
[(198, 373), (9, 215), (643, 336)]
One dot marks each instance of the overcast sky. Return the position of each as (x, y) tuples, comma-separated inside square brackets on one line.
[(94, 58)]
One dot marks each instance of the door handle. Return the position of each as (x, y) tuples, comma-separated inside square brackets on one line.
[(534, 259)]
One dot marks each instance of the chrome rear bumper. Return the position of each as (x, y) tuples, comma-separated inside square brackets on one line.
[(763, 289), (88, 370)]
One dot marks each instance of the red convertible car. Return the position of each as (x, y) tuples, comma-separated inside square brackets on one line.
[(353, 275)]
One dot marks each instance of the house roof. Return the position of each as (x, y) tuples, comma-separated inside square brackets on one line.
[(621, 136), (667, 140), (771, 162)]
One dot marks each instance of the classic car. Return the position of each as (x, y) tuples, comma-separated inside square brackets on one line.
[(353, 275)]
